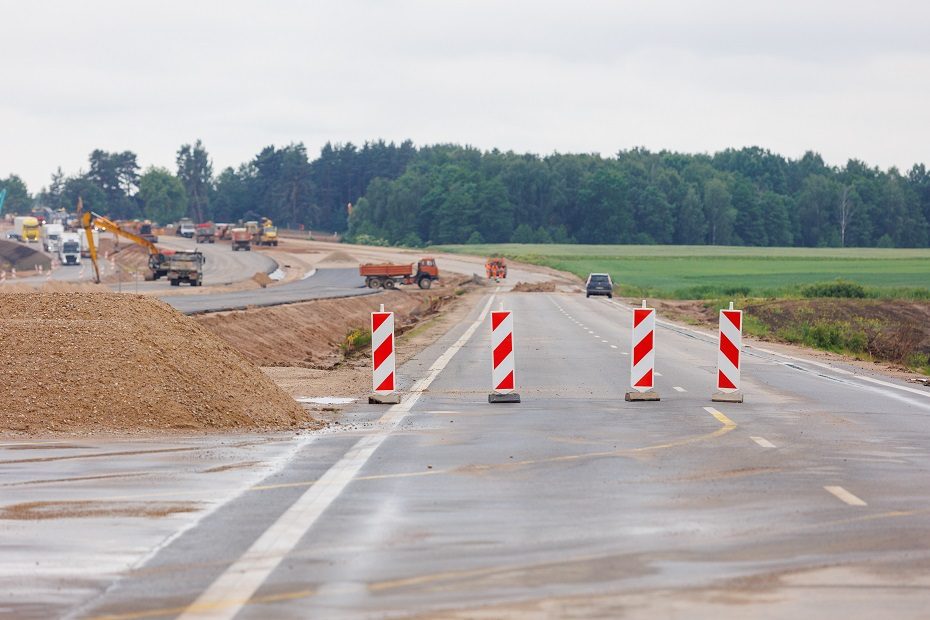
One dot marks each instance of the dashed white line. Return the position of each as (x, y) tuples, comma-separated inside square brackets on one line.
[(613, 346), (679, 389), (762, 441), (624, 353), (845, 496), (604, 341), (658, 374)]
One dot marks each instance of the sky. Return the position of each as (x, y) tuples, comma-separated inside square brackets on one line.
[(844, 78)]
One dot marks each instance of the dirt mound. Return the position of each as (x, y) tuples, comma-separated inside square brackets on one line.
[(340, 257), (82, 362), (22, 257), (538, 287)]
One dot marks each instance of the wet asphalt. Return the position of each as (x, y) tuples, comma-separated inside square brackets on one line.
[(808, 500)]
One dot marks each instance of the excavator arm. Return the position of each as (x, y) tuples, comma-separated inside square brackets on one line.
[(91, 220)]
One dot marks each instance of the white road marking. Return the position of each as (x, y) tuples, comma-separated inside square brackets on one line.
[(604, 341), (613, 346), (762, 441), (624, 353), (845, 496), (679, 389), (235, 587), (658, 374)]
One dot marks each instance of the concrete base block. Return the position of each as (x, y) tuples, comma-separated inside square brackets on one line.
[(384, 399), (512, 397), (727, 397), (636, 396)]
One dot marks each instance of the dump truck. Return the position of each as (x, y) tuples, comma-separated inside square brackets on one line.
[(26, 229), (241, 239), (389, 276), (146, 232), (496, 268), (69, 249), (184, 267), (206, 233)]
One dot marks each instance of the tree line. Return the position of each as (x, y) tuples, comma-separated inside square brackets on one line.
[(404, 195)]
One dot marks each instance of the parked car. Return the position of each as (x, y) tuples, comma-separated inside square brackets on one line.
[(599, 284)]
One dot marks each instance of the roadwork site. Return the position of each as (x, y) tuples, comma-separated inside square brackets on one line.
[(228, 464)]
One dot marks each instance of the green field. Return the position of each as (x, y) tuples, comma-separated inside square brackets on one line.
[(695, 272)]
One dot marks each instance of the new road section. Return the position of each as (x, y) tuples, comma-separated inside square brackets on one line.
[(573, 500)]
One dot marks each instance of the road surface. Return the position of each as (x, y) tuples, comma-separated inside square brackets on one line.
[(809, 500)]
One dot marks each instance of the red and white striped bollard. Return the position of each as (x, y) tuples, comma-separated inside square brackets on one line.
[(643, 355), (383, 359), (730, 344), (503, 367)]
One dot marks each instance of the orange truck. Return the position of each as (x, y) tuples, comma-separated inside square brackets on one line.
[(389, 276)]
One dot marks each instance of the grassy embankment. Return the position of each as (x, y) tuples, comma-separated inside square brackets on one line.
[(868, 302)]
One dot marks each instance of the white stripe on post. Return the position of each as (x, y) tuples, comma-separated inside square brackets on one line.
[(502, 360), (642, 360), (382, 352), (730, 343)]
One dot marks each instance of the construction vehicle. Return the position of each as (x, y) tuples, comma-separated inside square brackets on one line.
[(146, 232), (85, 246), (91, 221), (2, 199), (267, 233), (496, 268), (26, 229), (69, 249), (186, 228), (241, 239), (51, 237), (206, 233), (184, 267), (389, 276), (222, 231)]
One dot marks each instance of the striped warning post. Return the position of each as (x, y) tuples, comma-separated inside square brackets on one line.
[(730, 343), (502, 358), (382, 357), (643, 355)]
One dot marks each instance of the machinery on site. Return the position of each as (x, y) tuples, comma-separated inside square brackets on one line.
[(69, 249), (91, 222), (26, 229), (51, 237), (206, 233), (389, 276), (241, 239), (2, 199), (186, 228), (496, 268), (184, 267), (267, 233)]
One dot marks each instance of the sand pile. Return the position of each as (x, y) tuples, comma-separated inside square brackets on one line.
[(81, 362), (539, 287)]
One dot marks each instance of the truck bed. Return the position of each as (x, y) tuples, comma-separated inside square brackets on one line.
[(393, 271)]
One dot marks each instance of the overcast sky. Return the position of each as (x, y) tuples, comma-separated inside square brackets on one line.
[(847, 79)]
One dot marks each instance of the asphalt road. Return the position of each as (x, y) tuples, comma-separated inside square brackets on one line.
[(321, 284), (809, 500)]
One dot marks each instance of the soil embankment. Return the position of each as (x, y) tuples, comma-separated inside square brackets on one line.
[(82, 363), (21, 257)]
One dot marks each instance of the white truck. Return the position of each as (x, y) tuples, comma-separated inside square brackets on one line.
[(51, 237), (69, 251), (85, 249)]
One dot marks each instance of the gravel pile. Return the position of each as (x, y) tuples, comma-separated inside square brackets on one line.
[(82, 362)]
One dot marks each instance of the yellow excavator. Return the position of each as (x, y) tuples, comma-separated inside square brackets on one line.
[(91, 220)]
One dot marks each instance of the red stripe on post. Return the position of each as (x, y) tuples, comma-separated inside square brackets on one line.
[(377, 318), (723, 381), (639, 315), (729, 350), (503, 350), (733, 316), (645, 381), (497, 317), (384, 350), (507, 383), (643, 348), (387, 384)]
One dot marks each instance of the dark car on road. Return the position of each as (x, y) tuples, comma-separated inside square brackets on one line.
[(599, 284)]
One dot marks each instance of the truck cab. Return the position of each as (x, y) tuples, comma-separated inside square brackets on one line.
[(69, 251), (186, 228)]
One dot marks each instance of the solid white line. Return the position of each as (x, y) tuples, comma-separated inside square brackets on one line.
[(845, 496), (239, 582), (679, 389), (762, 441)]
